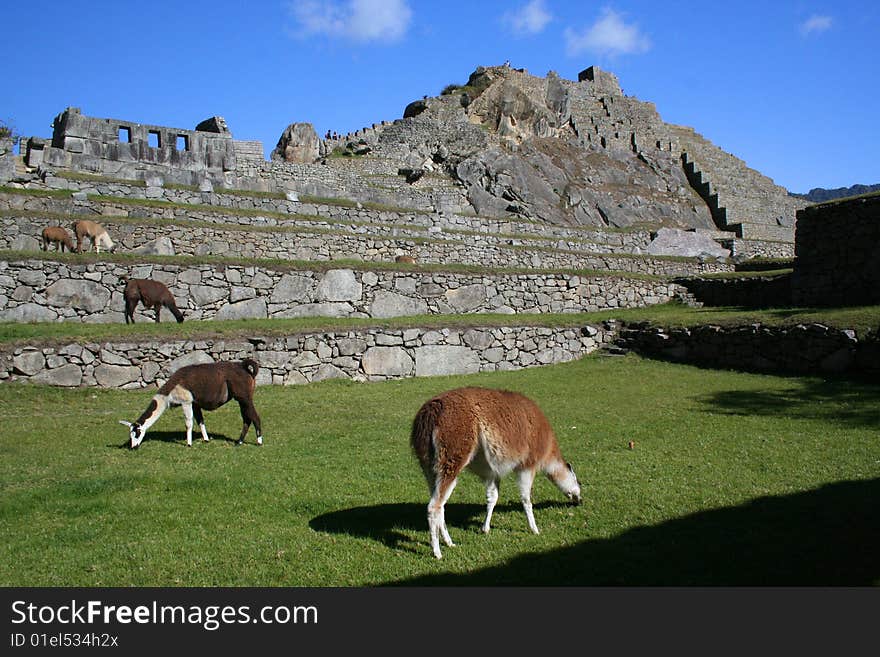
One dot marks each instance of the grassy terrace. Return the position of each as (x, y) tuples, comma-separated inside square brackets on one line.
[(734, 479), (671, 315)]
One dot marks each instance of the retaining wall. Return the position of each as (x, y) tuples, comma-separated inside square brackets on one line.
[(49, 290), (23, 233), (836, 255), (806, 349), (369, 354)]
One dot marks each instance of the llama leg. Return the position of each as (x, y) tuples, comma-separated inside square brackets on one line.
[(491, 500), (526, 477), (188, 419), (437, 516), (443, 531), (200, 420), (249, 416)]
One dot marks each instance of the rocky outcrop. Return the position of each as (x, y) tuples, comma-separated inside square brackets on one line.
[(691, 244), (298, 143)]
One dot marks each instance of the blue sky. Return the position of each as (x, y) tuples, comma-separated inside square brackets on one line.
[(792, 88)]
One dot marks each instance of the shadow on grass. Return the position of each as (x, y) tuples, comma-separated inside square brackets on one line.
[(172, 437), (387, 522), (851, 403), (823, 537)]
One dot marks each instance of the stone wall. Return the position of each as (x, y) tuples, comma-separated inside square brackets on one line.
[(369, 354), (132, 150), (806, 349), (843, 270), (299, 213), (747, 291), (23, 233), (47, 290)]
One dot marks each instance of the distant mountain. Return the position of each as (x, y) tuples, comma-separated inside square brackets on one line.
[(819, 195)]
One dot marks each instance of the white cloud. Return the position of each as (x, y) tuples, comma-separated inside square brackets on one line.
[(357, 20), (531, 18), (816, 24), (609, 35)]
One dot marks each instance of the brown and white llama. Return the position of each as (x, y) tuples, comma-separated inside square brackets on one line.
[(152, 294), (58, 236), (492, 433), (203, 387), (96, 233)]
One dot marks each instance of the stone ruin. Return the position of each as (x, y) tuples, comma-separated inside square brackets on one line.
[(505, 144), (127, 150)]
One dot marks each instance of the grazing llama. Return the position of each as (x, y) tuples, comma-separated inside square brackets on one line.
[(152, 294), (206, 386), (95, 232), (58, 236), (409, 260), (492, 433)]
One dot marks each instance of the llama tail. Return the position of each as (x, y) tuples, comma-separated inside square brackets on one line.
[(422, 436), (251, 366)]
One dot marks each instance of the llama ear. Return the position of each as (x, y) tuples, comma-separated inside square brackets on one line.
[(128, 424)]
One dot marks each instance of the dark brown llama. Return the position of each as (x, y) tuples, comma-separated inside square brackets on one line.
[(203, 387), (152, 294)]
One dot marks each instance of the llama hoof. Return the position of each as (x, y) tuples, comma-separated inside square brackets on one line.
[(239, 442), (259, 440)]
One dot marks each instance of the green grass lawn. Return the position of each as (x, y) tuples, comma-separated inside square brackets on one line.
[(734, 479)]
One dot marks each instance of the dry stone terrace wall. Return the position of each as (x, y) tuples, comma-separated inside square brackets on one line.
[(812, 349), (844, 270), (333, 215), (46, 290), (23, 234), (356, 355)]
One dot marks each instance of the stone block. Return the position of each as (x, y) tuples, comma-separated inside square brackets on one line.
[(66, 376), (390, 304), (387, 361), (249, 309), (116, 376), (438, 360), (339, 285)]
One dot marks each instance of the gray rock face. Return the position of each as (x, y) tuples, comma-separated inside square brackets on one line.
[(339, 285), (191, 358), (437, 360), (390, 304), (387, 361), (158, 246), (292, 288), (66, 376), (248, 309), (317, 310), (467, 297), (298, 143), (116, 376), (28, 363), (27, 312), (675, 242), (84, 294)]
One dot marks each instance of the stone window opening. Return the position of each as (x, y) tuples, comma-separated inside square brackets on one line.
[(182, 143), (124, 134), (154, 139)]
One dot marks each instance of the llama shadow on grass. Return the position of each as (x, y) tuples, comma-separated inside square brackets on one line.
[(173, 437), (822, 537), (387, 523)]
